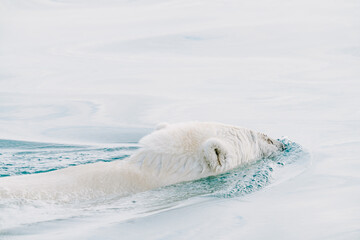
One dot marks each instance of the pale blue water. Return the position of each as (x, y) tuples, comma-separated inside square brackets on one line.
[(21, 217), (102, 72), (21, 157)]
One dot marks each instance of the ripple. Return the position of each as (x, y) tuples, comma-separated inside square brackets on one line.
[(23, 157)]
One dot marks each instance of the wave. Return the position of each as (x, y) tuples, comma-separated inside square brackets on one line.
[(25, 157)]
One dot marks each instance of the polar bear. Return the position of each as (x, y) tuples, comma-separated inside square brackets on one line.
[(172, 153)]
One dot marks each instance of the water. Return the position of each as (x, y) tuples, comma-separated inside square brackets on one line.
[(19, 157), (23, 216), (93, 75)]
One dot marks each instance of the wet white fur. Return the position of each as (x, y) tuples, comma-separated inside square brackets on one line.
[(172, 153)]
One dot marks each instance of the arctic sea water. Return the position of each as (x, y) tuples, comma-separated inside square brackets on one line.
[(94, 74)]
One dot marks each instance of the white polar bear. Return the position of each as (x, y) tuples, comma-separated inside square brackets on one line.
[(173, 153)]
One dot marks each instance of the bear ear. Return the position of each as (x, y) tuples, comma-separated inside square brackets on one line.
[(161, 126), (214, 153)]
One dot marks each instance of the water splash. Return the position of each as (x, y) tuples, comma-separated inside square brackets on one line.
[(245, 179)]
